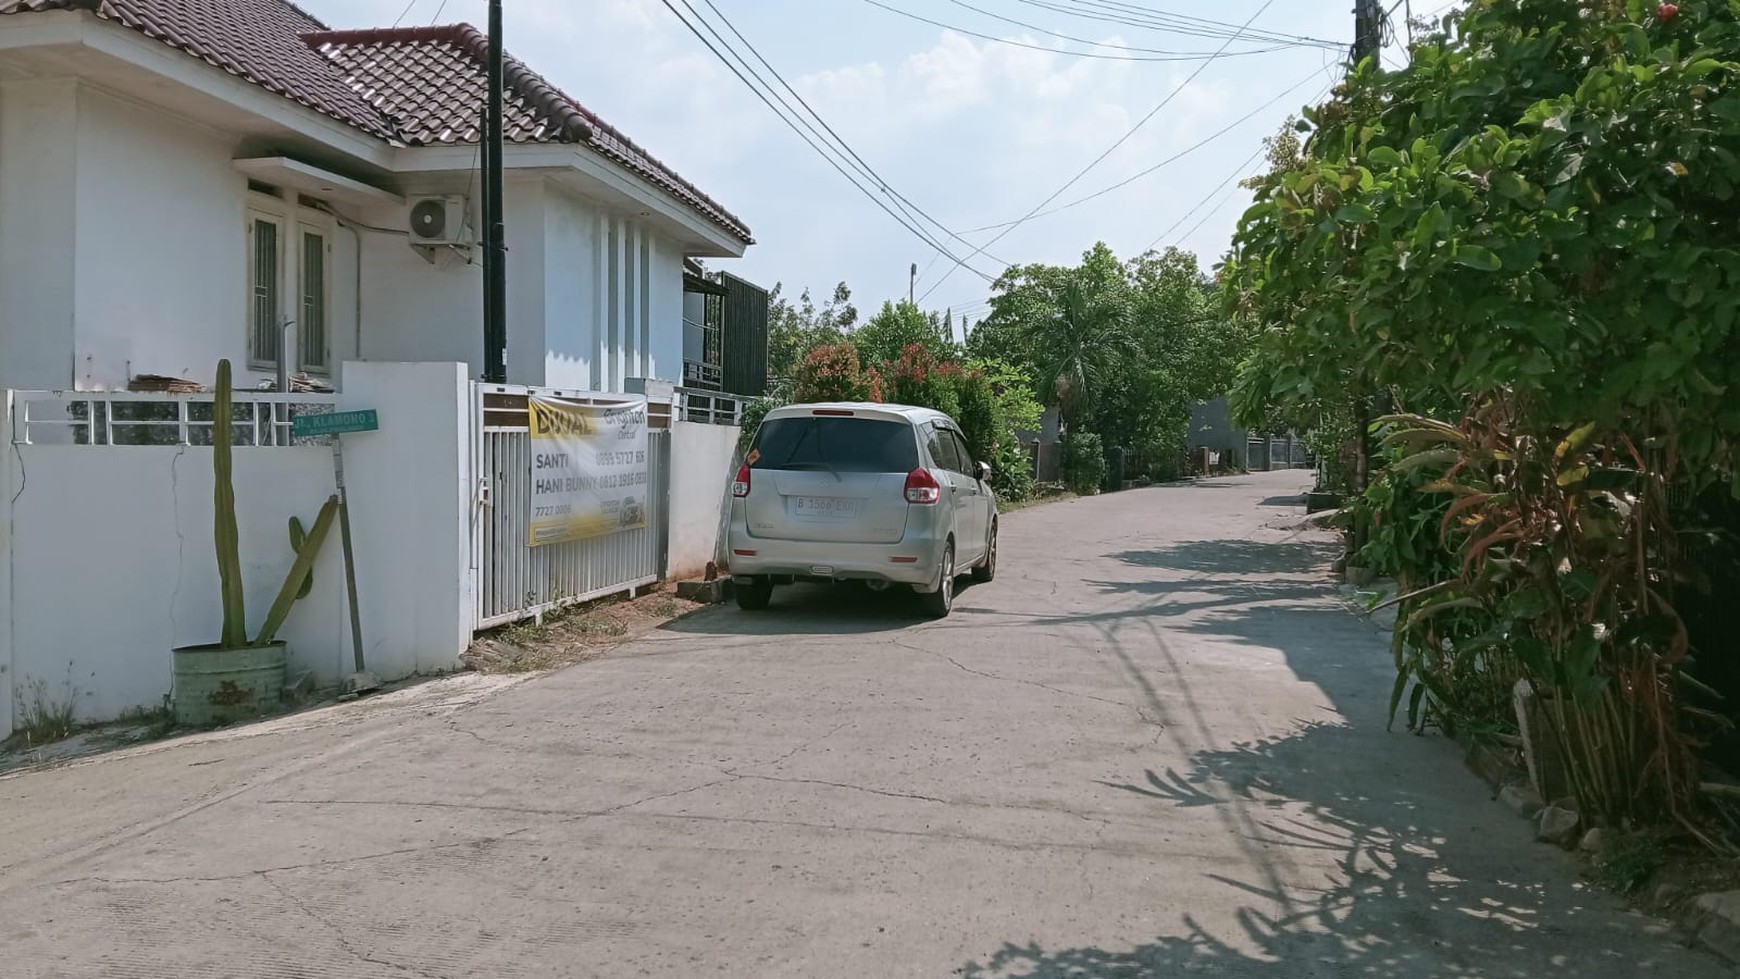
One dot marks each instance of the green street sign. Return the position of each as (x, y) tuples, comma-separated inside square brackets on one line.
[(334, 423)]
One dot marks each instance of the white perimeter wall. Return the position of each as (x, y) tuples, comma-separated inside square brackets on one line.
[(701, 471), (113, 565), (107, 563)]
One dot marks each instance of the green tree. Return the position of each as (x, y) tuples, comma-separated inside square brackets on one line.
[(794, 329), (1531, 229), (884, 337)]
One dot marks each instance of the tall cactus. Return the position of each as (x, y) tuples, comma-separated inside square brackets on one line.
[(229, 559)]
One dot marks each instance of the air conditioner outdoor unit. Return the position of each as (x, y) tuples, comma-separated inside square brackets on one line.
[(439, 221)]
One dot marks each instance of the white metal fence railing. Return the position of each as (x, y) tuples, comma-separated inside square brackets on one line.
[(710, 407), (516, 581), (129, 418)]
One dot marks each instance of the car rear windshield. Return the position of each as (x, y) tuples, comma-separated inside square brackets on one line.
[(854, 445)]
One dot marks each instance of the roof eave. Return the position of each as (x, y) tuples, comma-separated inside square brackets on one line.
[(583, 170), (147, 54)]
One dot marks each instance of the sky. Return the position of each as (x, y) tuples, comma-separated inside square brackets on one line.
[(974, 131)]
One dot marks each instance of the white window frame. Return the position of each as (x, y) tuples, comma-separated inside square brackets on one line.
[(293, 222), (304, 228)]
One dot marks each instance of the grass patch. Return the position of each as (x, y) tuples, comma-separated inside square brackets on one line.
[(1631, 862), (571, 634), (43, 717), (1039, 498)]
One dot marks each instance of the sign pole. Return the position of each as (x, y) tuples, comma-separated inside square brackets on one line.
[(336, 424), (349, 555)]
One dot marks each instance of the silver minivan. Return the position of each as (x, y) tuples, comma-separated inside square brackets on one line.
[(881, 494)]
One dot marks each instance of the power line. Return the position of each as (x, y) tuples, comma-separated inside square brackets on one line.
[(405, 13), (1078, 40), (438, 12), (1071, 182), (1261, 148), (1169, 160), (1073, 54), (797, 126), (1158, 21), (912, 209)]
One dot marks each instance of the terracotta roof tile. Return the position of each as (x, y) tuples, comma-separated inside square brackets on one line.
[(430, 81), (257, 40), (419, 86)]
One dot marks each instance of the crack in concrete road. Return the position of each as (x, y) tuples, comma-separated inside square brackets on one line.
[(344, 941), (957, 664)]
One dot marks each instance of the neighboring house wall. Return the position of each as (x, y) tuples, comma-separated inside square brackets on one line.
[(1211, 427)]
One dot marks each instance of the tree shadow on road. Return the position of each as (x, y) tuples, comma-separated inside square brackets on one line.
[(1421, 875), (1415, 890), (1236, 557)]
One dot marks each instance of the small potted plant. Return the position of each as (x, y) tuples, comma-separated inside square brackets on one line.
[(238, 677)]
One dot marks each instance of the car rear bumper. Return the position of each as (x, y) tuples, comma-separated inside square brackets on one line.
[(912, 561)]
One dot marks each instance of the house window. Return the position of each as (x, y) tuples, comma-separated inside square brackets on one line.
[(265, 308), (311, 325), (288, 280)]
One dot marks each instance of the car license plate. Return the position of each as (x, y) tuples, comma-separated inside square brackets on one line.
[(825, 507)]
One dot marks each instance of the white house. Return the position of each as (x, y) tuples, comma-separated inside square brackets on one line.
[(188, 180), (179, 179)]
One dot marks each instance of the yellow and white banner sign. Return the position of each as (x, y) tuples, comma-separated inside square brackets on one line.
[(589, 470)]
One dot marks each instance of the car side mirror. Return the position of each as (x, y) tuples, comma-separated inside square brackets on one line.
[(984, 471)]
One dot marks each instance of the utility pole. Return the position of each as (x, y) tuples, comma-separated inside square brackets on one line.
[(495, 227), (1368, 28), (912, 285)]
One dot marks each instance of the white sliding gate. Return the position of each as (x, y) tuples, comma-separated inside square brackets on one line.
[(516, 581)]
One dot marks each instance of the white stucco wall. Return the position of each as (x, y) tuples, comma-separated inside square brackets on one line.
[(571, 263), (412, 512), (701, 457), (664, 359), (38, 187), (123, 245), (161, 237), (124, 250)]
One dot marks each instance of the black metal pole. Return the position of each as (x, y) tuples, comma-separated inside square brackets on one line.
[(495, 230), (1367, 43)]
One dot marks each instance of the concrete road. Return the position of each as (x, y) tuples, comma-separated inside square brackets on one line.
[(1154, 747)]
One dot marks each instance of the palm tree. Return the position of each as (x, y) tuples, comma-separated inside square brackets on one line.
[(1078, 341)]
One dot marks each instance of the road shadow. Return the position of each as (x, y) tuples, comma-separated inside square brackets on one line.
[(1417, 889), (1236, 557), (1422, 875), (818, 609)]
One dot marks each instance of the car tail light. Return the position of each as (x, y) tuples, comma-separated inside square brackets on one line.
[(922, 487), (740, 486), (833, 412)]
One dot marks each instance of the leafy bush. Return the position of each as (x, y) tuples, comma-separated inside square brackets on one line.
[(1084, 463), (831, 372), (917, 378)]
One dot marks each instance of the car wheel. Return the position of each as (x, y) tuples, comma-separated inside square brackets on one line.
[(987, 568), (754, 598), (939, 603)]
